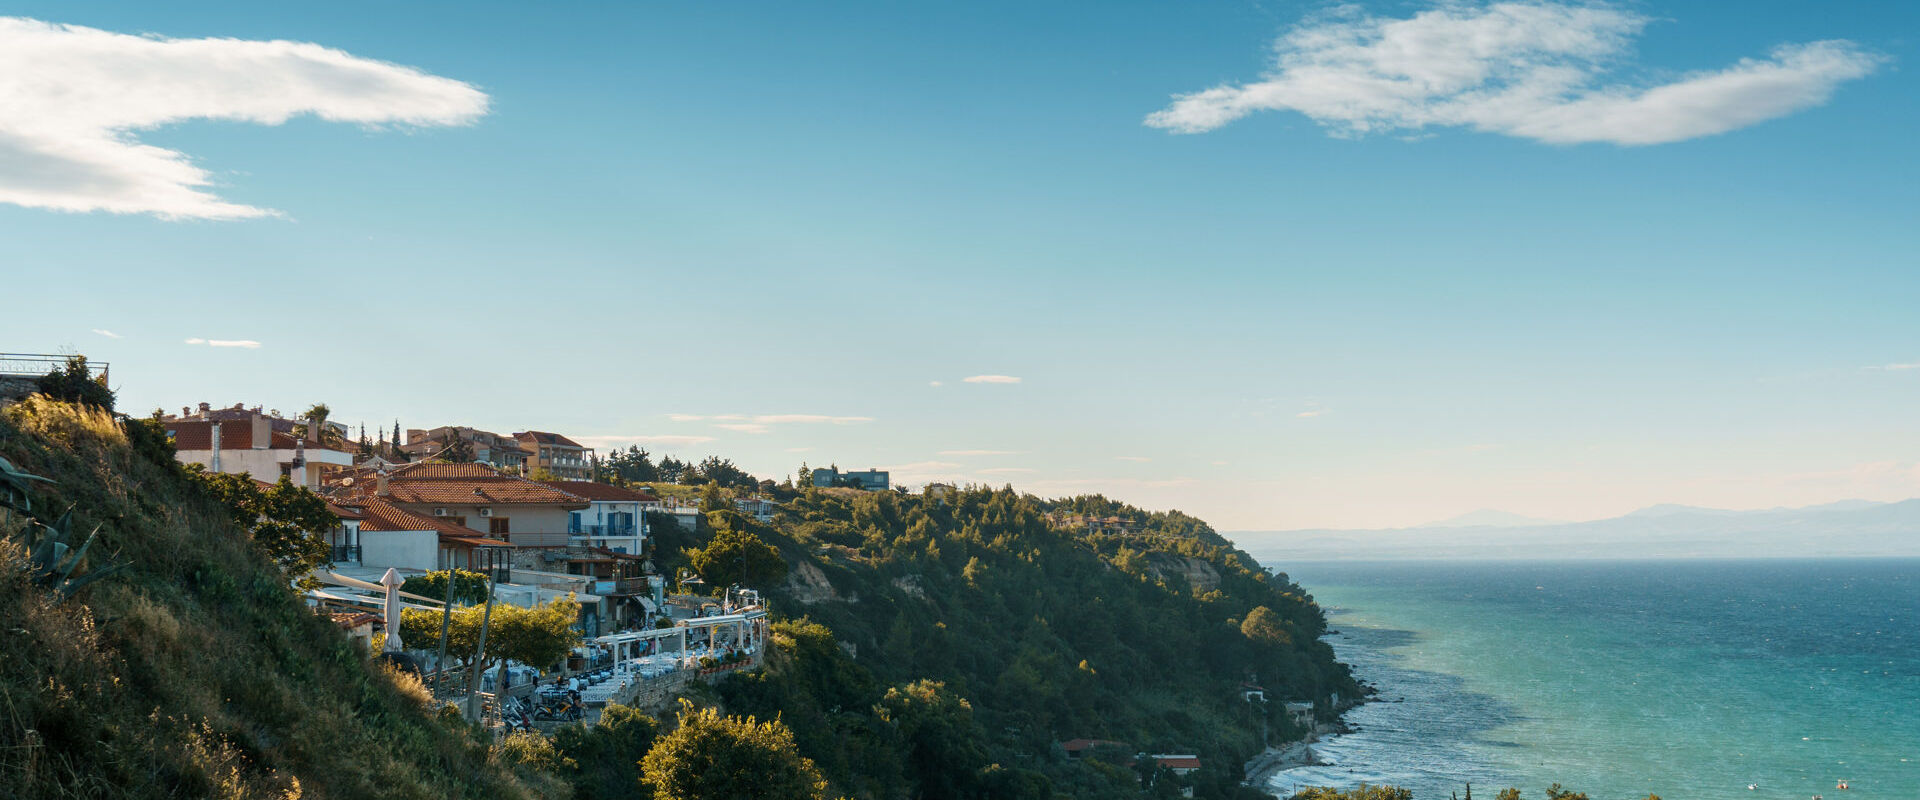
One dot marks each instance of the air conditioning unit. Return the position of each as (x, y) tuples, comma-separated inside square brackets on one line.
[(439, 512), (486, 512)]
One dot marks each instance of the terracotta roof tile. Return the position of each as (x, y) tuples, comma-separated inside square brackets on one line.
[(590, 490), (544, 437)]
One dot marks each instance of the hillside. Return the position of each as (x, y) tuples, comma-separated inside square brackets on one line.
[(194, 671), (1042, 634)]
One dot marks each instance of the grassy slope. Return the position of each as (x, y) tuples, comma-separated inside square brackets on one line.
[(196, 673)]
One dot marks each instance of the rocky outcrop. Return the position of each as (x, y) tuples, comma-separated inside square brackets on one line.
[(910, 584), (1199, 574), (807, 584)]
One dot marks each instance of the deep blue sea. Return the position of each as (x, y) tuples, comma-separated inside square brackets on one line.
[(1689, 679)]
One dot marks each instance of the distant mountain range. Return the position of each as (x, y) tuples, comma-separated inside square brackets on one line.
[(1847, 528)]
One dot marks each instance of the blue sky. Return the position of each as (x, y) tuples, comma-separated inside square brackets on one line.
[(668, 211)]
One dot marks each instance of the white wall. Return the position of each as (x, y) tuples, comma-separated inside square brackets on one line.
[(403, 549)]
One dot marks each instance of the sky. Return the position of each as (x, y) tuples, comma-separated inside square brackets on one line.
[(1279, 265)]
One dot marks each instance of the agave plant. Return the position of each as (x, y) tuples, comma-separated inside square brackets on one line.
[(13, 489), (52, 558)]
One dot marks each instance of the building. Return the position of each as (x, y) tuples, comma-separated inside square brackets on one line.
[(550, 452), (389, 536), (939, 491), (1111, 526), (529, 515), (248, 444), (615, 519), (759, 508), (487, 447), (1301, 714), (1081, 748), (872, 480)]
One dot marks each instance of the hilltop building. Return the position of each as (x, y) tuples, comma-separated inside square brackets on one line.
[(564, 457), (244, 442), (872, 480), (615, 519), (488, 447)]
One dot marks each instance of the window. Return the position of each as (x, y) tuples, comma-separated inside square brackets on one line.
[(497, 525), (461, 521)]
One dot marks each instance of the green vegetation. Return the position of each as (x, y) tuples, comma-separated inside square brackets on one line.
[(286, 521), (537, 636), (714, 757), (469, 588), (194, 671)]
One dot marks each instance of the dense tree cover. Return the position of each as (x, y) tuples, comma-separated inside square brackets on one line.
[(537, 636), (737, 557), (714, 757), (469, 588), (971, 619), (287, 521), (603, 759), (1362, 792)]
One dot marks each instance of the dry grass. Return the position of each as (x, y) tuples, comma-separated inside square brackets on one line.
[(196, 672)]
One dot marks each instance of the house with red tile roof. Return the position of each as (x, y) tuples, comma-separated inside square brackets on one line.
[(563, 457), (487, 447), (390, 536), (248, 444), (528, 515)]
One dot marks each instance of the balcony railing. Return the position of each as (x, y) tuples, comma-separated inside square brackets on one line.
[(623, 529), (346, 554)]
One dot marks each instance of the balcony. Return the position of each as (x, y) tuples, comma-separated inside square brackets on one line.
[(346, 554), (616, 529)]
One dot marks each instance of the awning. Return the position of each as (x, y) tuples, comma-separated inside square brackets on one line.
[(342, 580)]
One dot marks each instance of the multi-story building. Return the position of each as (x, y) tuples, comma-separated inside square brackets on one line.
[(387, 535), (872, 480), (565, 458), (246, 443), (759, 508), (487, 447), (615, 519), (529, 515)]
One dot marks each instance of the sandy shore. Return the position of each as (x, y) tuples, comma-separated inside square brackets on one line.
[(1277, 759)]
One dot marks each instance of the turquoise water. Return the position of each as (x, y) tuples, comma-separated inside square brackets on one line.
[(1689, 679)]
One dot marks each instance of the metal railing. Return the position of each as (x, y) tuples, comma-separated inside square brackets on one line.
[(346, 553), (38, 364)]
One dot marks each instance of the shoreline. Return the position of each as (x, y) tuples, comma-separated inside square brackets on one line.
[(1276, 760)]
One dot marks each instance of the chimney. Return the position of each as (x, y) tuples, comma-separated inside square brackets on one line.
[(262, 432), (206, 407), (186, 411), (215, 426), (380, 484), (313, 430)]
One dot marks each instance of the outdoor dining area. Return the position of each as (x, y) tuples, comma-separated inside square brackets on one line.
[(646, 663)]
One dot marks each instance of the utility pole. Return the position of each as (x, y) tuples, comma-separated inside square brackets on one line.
[(446, 617), (479, 657)]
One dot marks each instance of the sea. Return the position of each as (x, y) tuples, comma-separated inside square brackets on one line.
[(1689, 679)]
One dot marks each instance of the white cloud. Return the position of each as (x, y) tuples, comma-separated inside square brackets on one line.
[(936, 383), (978, 452), (1218, 463), (991, 379), (1889, 367), (1006, 471), (107, 333), (807, 419), (74, 98), (1310, 413), (624, 439), (1534, 70), (248, 344), (742, 427), (1138, 459)]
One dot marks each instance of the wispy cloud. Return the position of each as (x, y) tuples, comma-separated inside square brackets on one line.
[(107, 333), (74, 98), (624, 439), (936, 383), (248, 344), (978, 452), (1533, 70), (742, 427), (1007, 471), (990, 379), (1135, 459), (1888, 367), (1311, 412), (770, 419)]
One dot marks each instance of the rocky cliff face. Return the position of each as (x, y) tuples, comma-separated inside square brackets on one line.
[(807, 584), (1197, 573)]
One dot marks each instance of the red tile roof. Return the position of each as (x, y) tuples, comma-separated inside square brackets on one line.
[(442, 483), (600, 491), (544, 437), (1178, 762), (380, 515), (234, 435)]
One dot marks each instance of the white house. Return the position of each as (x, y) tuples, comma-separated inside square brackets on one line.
[(614, 519), (251, 446)]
